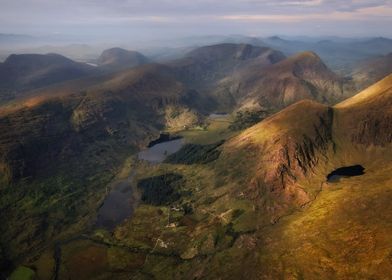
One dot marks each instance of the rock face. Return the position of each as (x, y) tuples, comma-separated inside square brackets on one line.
[(118, 59)]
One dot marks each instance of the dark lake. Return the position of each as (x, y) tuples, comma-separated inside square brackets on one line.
[(344, 172)]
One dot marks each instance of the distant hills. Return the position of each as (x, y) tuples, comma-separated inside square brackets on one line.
[(23, 72), (29, 71), (118, 59), (338, 53), (372, 70)]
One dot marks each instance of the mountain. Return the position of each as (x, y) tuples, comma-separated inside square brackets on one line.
[(87, 131), (338, 54), (339, 224), (204, 66), (239, 76), (103, 107), (375, 46), (263, 197), (118, 59), (372, 70), (302, 76), (24, 72)]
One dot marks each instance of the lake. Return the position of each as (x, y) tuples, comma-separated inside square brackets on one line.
[(344, 172), (120, 202)]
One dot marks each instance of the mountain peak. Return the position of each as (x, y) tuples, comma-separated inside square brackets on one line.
[(49, 58), (121, 58), (275, 38), (308, 55)]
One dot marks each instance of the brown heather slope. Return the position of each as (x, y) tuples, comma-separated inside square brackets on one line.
[(294, 143), (368, 115), (284, 148), (343, 229)]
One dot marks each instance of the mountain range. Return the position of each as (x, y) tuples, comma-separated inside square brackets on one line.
[(261, 195)]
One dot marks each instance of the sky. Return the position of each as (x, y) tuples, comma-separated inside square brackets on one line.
[(157, 19)]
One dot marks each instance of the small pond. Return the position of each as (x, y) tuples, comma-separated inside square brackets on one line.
[(344, 172)]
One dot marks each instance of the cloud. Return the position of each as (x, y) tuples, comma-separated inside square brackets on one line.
[(218, 15)]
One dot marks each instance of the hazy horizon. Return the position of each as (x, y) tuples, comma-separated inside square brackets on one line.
[(125, 21)]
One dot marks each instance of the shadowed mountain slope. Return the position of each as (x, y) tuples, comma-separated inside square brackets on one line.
[(88, 133), (28, 71), (202, 67)]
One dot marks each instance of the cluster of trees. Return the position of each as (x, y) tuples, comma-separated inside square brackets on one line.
[(160, 190)]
